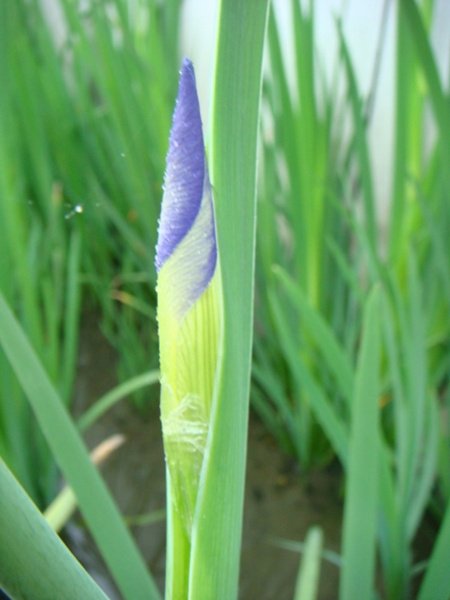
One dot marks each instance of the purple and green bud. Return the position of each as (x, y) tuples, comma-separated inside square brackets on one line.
[(187, 217), (189, 302)]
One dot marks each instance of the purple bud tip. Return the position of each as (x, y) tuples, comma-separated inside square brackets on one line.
[(185, 168)]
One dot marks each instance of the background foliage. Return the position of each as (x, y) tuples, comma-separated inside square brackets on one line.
[(351, 354)]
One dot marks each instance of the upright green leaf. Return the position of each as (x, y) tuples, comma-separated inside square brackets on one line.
[(308, 577), (361, 502), (216, 543)]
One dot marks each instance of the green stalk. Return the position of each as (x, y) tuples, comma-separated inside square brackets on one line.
[(307, 584), (235, 114), (34, 563), (361, 502), (407, 133)]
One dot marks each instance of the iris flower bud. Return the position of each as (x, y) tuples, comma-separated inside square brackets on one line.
[(189, 301)]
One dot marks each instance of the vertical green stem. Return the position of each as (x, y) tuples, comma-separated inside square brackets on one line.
[(217, 533), (178, 552)]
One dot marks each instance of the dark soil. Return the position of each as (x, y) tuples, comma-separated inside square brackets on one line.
[(280, 502)]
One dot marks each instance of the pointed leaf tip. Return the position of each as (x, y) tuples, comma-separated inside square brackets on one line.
[(185, 168)]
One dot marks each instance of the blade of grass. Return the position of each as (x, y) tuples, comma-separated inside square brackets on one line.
[(34, 563), (408, 134), (108, 400), (307, 584), (299, 417), (280, 414), (394, 556), (333, 354), (429, 68), (361, 502), (323, 409), (72, 314)]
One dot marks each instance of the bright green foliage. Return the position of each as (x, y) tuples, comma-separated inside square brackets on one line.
[(34, 563), (309, 337), (361, 501), (96, 505), (304, 229), (40, 255), (81, 157)]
